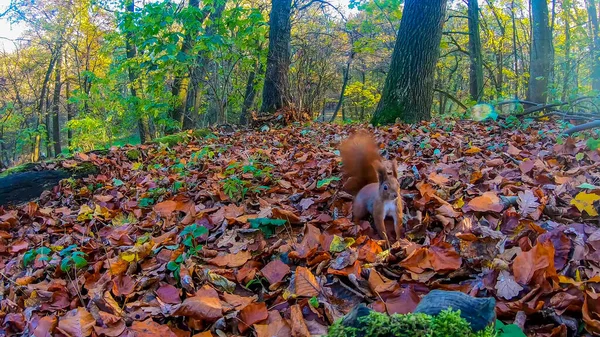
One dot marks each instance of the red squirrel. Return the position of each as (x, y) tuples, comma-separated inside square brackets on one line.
[(375, 191)]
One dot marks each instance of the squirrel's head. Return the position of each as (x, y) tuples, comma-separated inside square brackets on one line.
[(389, 188)]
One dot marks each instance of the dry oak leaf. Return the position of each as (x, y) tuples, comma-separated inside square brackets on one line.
[(275, 271), (275, 326), (206, 307), (299, 328), (77, 323), (540, 257), (506, 286), (305, 283), (231, 260), (150, 328), (487, 202), (252, 313)]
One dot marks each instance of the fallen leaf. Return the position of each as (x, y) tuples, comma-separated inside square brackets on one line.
[(585, 203), (305, 283), (299, 328), (201, 307), (252, 313), (275, 326), (506, 286), (275, 271), (231, 260), (488, 202), (150, 328), (123, 285), (526, 264), (527, 202), (77, 323), (46, 326)]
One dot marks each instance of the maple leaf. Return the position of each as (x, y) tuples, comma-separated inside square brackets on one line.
[(506, 285), (585, 203), (527, 202)]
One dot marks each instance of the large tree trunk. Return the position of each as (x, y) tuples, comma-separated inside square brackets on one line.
[(476, 67), (595, 44), (41, 108), (542, 54), (275, 91), (56, 107), (197, 71), (143, 125), (408, 90)]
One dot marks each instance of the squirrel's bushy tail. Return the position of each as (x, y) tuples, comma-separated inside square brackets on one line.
[(359, 153)]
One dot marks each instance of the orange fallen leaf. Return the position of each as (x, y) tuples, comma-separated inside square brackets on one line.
[(280, 213), (275, 326), (488, 202), (46, 326), (77, 323), (150, 328), (231, 260), (299, 328), (201, 307), (540, 257), (252, 313), (305, 282), (275, 271)]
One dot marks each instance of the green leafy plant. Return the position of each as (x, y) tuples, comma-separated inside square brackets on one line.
[(266, 225), (32, 254), (326, 181), (71, 257), (190, 235), (447, 324)]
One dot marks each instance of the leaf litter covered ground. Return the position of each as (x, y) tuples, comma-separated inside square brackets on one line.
[(248, 234)]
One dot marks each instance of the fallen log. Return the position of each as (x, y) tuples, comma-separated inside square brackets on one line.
[(30, 180)]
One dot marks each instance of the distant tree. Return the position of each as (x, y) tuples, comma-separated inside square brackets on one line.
[(408, 90), (476, 67)]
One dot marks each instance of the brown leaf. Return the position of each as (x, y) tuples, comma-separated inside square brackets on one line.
[(369, 251), (305, 283), (45, 326), (275, 271), (112, 330), (540, 257), (77, 323), (405, 302), (280, 213), (238, 302), (506, 285), (168, 294), (150, 328), (444, 257), (299, 328), (252, 313), (123, 285), (276, 326), (207, 307), (591, 312), (231, 260), (488, 202)]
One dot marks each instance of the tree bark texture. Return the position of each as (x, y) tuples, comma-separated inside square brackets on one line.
[(593, 15), (408, 90), (56, 107), (542, 53), (275, 91), (476, 67)]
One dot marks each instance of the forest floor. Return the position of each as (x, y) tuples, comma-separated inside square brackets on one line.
[(248, 234)]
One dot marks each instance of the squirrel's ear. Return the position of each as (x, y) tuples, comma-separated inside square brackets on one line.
[(381, 171), (395, 168)]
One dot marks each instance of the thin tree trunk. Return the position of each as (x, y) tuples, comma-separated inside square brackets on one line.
[(408, 90), (197, 73), (541, 53), (69, 112), (344, 84), (143, 126), (56, 107), (250, 94), (275, 91), (595, 44), (476, 67), (515, 54), (41, 108), (567, 70)]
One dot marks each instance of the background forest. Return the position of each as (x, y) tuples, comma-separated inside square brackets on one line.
[(90, 74)]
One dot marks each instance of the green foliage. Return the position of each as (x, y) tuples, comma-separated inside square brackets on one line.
[(32, 254), (508, 330), (189, 235), (72, 258), (593, 144), (266, 225), (447, 324), (326, 181)]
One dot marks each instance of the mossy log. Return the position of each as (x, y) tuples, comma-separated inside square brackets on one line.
[(26, 182)]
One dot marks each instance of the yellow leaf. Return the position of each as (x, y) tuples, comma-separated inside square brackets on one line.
[(84, 213), (459, 203), (473, 150), (129, 256), (585, 202)]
